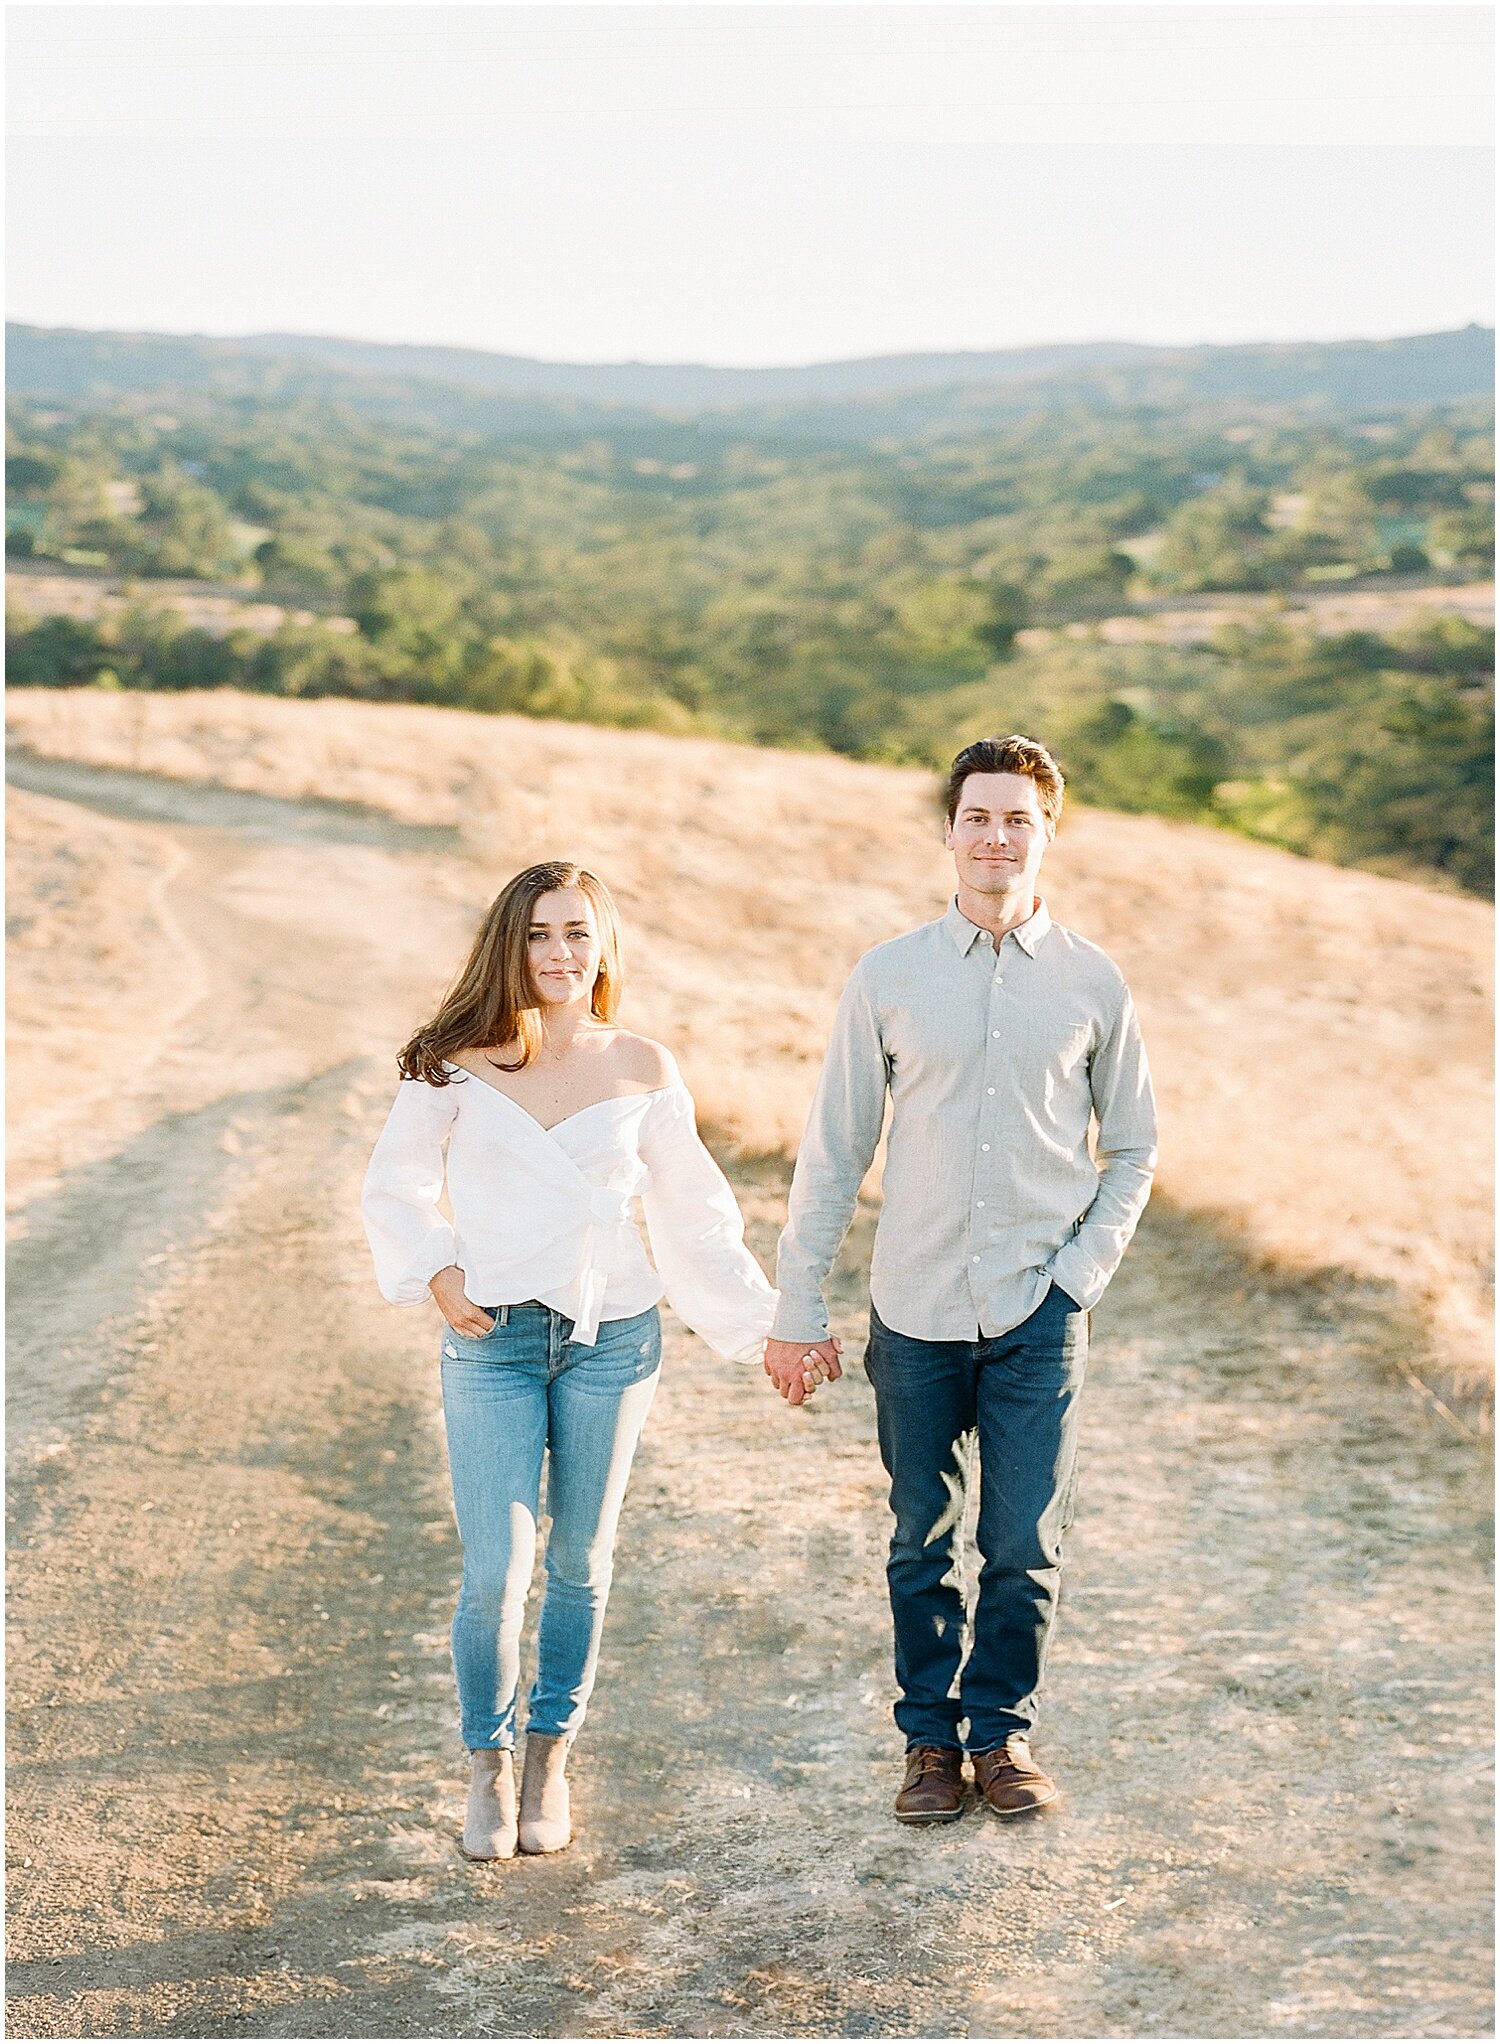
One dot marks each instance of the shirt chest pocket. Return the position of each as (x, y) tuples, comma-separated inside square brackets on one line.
[(1050, 1053), (1075, 1042)]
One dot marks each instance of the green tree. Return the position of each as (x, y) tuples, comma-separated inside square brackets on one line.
[(1007, 612), (1119, 757), (184, 528), (1216, 541), (415, 621), (54, 652)]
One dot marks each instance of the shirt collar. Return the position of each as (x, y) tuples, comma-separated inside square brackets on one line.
[(1028, 934)]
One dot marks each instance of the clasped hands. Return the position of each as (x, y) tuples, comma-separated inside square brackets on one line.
[(797, 1368)]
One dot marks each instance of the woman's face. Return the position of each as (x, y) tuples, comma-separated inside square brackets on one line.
[(563, 947)]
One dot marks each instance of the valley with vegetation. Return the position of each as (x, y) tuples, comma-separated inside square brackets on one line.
[(873, 561)]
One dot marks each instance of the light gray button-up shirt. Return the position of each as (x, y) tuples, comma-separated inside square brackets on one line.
[(995, 1060)]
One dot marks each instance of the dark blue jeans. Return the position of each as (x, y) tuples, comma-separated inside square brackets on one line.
[(1014, 1399)]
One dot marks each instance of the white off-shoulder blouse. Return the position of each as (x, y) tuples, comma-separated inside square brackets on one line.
[(547, 1214)]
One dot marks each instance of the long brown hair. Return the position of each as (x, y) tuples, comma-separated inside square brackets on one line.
[(493, 1001)]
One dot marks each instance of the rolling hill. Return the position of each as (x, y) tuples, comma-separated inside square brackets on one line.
[(840, 402)]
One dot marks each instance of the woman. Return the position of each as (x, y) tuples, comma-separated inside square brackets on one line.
[(554, 1119)]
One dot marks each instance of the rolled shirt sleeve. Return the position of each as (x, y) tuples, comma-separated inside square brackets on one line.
[(837, 1148), (1125, 1108), (698, 1235), (410, 1240)]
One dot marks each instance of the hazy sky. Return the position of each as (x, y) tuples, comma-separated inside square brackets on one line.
[(752, 184)]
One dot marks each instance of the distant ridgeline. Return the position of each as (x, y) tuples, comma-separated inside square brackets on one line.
[(837, 556)]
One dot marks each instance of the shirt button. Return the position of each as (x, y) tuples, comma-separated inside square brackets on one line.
[(979, 1202), (994, 1032), (989, 1089), (976, 1259), (984, 1146)]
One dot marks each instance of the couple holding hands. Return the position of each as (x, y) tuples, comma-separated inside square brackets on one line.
[(999, 1036)]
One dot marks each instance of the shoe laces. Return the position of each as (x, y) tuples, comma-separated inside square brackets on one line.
[(1014, 1753), (928, 1760)]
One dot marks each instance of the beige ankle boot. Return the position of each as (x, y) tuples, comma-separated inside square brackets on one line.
[(490, 1819), (546, 1821)]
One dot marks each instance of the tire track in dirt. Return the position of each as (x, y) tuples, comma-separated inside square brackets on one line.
[(93, 1243), (255, 818), (235, 1776)]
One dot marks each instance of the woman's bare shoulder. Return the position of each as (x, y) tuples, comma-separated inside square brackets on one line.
[(644, 1062)]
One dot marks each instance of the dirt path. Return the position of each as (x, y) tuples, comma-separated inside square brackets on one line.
[(234, 1773)]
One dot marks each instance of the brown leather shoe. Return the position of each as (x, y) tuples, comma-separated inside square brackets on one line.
[(1009, 1780), (933, 1791)]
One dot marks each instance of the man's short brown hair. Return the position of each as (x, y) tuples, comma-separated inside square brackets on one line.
[(1013, 755)]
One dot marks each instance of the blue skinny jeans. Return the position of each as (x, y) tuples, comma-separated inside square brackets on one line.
[(520, 1394)]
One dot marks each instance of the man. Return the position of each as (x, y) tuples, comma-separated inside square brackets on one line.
[(998, 1035)]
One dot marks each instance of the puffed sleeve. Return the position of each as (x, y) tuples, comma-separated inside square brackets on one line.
[(698, 1235), (409, 1238)]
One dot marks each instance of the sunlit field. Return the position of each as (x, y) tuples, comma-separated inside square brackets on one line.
[(1320, 1037)]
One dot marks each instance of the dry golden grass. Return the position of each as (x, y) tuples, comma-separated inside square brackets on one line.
[(42, 592), (1194, 620), (1321, 1038)]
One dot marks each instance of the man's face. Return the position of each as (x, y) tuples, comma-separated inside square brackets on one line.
[(998, 835)]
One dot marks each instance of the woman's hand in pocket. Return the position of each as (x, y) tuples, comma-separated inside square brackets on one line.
[(456, 1307)]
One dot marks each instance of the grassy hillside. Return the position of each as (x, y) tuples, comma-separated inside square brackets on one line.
[(1321, 1037)]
